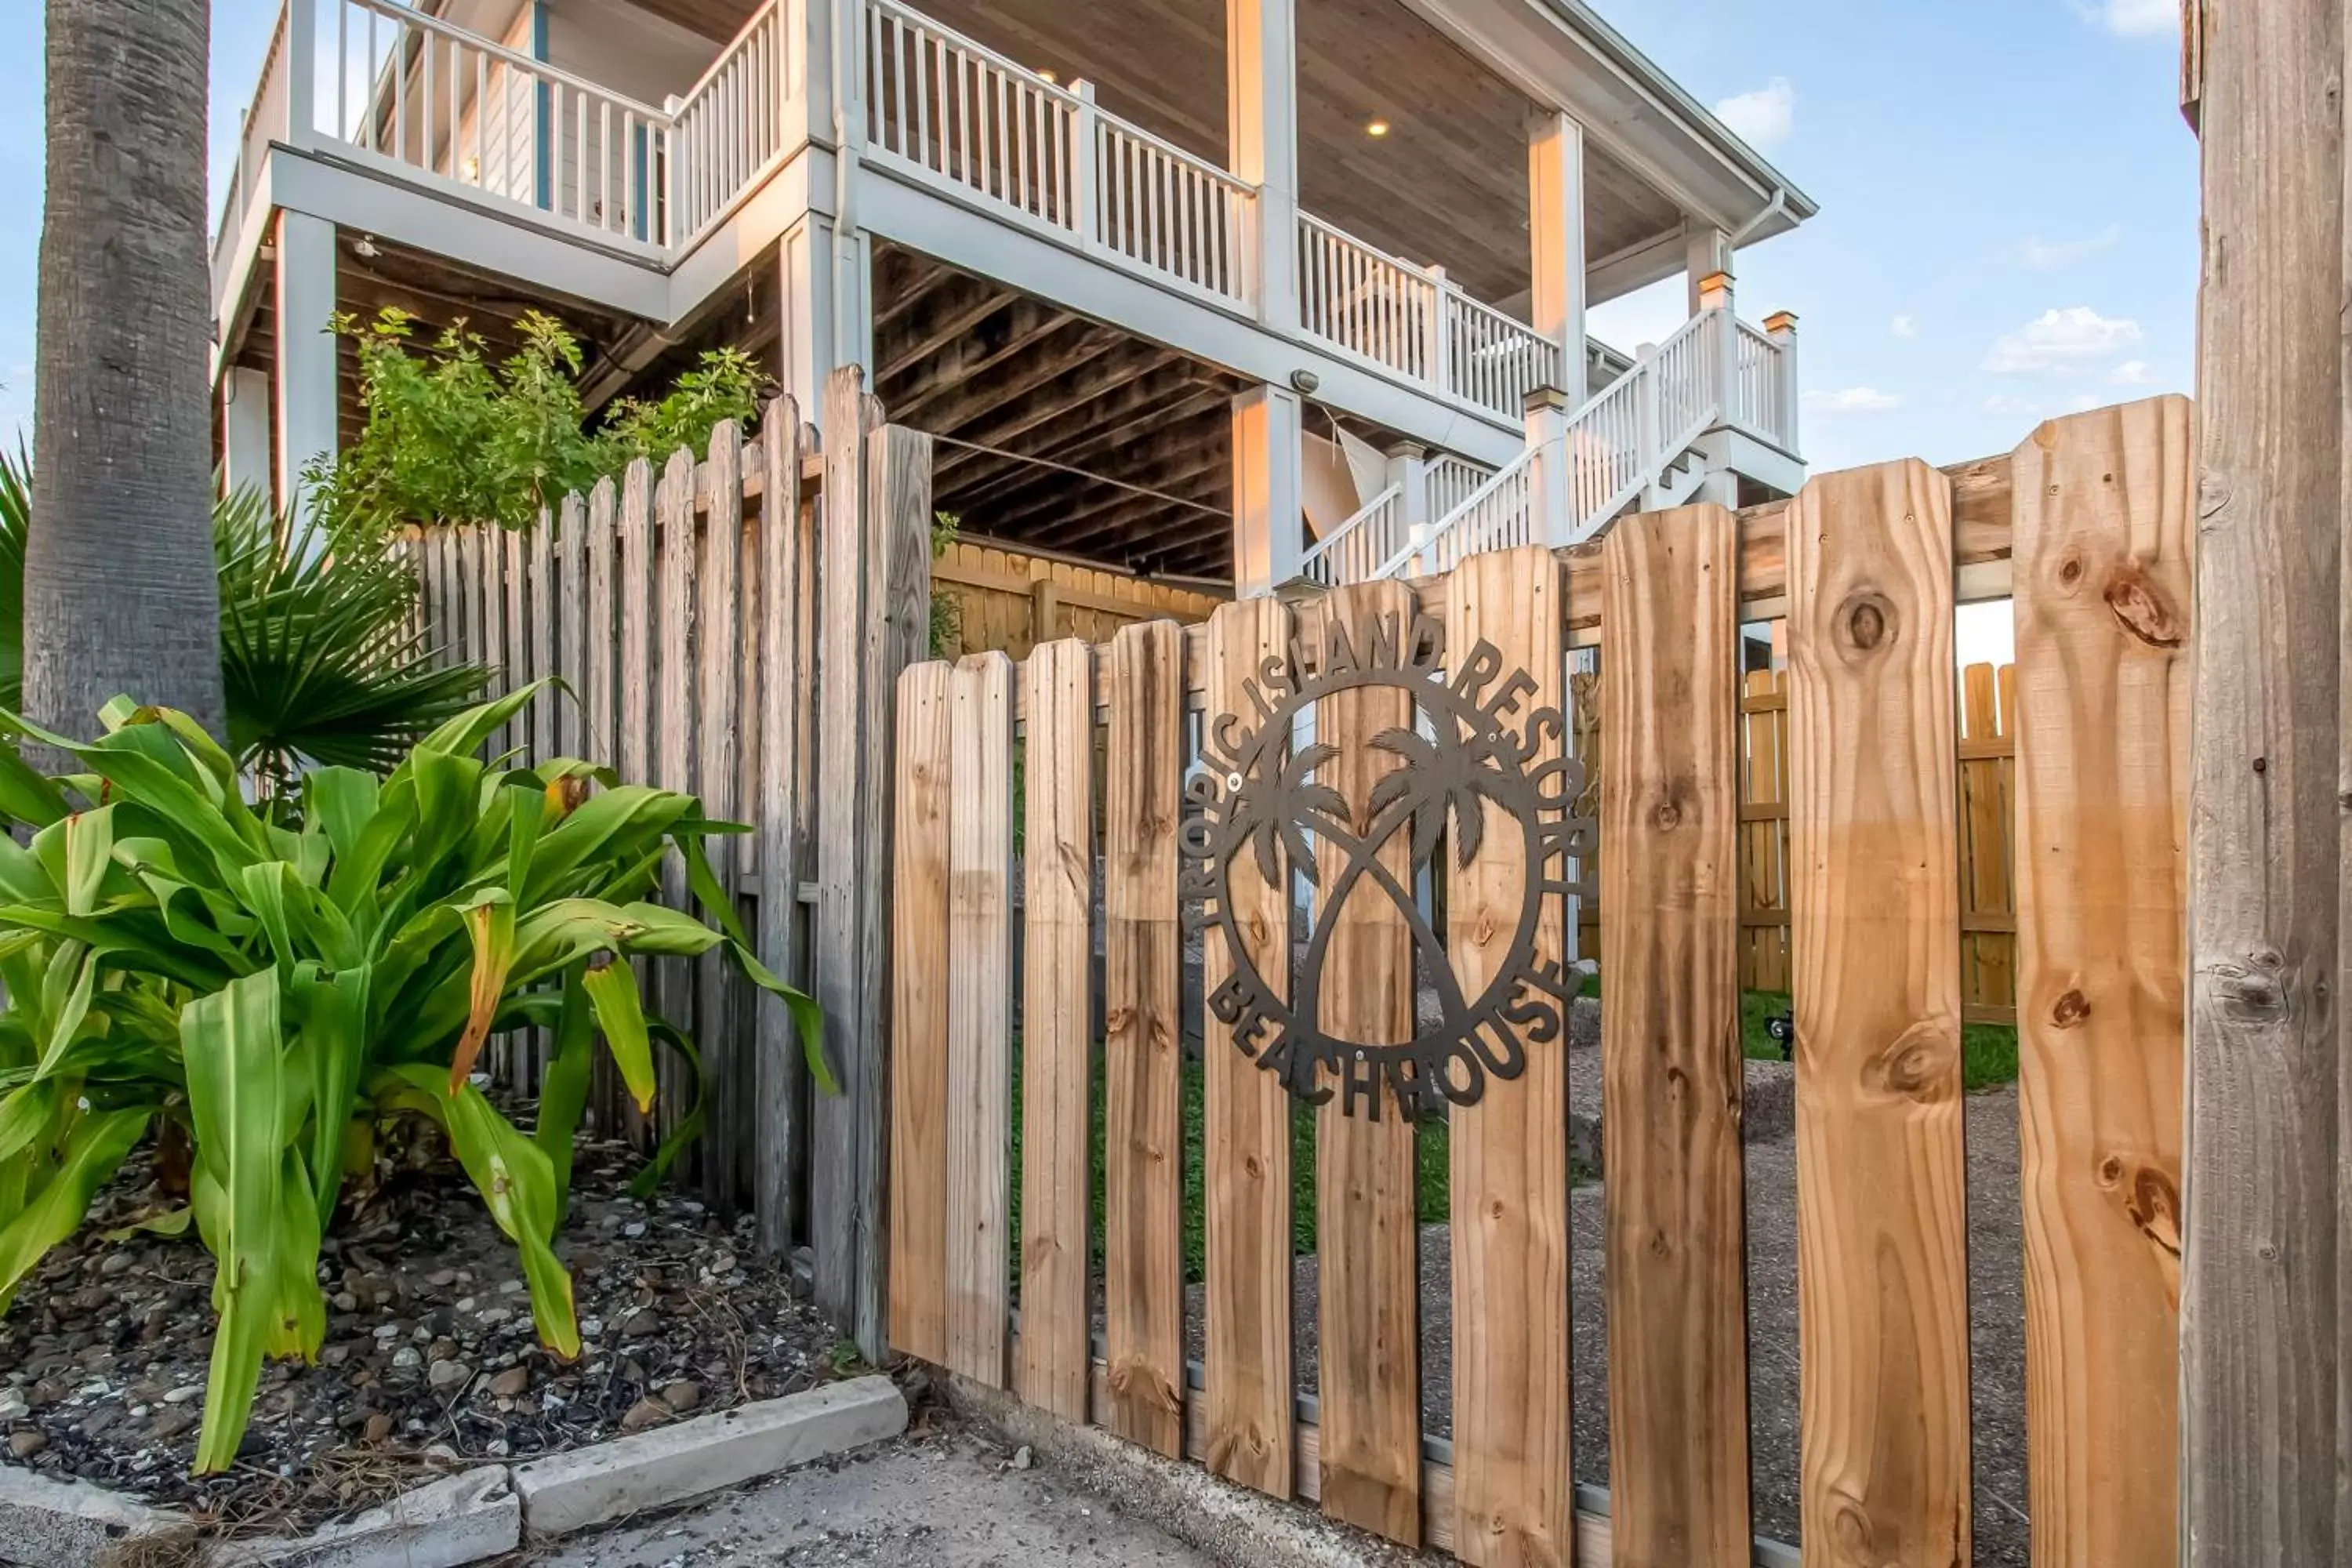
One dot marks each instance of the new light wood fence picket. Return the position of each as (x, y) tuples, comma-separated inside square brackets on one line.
[(2089, 523)]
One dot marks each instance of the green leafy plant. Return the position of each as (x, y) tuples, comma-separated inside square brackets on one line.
[(947, 615), (316, 655), (725, 384), (452, 438), (275, 984)]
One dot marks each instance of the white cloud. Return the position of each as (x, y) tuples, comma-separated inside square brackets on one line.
[(1903, 326), (2049, 254), (2136, 18), (2060, 342), (1854, 400), (1761, 118), (2133, 373)]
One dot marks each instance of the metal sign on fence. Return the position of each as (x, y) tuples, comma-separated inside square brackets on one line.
[(1265, 794)]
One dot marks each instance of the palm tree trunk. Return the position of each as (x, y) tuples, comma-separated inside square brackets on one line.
[(121, 595)]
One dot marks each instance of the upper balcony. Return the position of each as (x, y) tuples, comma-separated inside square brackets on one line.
[(1112, 144)]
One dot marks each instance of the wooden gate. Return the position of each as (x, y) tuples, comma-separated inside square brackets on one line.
[(996, 773)]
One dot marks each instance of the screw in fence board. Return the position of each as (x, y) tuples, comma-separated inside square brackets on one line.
[(2104, 539), (727, 1062), (1670, 1042), (1368, 1260), (783, 570), (979, 1015), (1057, 1029), (923, 761), (848, 817), (1251, 1392), (1513, 1503), (1143, 1268), (678, 729), (2266, 1300), (1874, 934)]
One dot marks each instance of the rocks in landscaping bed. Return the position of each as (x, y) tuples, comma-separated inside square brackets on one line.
[(433, 1361)]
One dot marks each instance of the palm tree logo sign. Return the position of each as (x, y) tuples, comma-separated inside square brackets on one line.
[(1476, 790)]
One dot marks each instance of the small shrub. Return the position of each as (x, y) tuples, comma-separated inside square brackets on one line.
[(276, 983)]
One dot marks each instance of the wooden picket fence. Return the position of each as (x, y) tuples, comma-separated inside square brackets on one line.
[(730, 623), (1988, 752), (2089, 523)]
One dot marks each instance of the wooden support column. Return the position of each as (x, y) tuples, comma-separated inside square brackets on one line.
[(1556, 240), (308, 396), (1262, 136), (2263, 1326), (1269, 526), (245, 415)]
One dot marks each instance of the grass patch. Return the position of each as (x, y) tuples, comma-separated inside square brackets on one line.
[(1988, 1051)]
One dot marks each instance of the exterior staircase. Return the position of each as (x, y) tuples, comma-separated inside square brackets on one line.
[(1633, 446)]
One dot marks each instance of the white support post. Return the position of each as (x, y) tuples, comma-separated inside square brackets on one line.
[(1262, 137), (308, 390), (1706, 251), (1781, 328), (826, 316), (1409, 472), (245, 433), (1548, 409), (302, 73), (808, 95), (1086, 168), (1556, 240), (1723, 340), (1269, 516), (1647, 419), (1437, 340)]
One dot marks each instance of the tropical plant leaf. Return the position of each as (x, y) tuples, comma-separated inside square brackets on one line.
[(612, 989), (233, 1044), (563, 1086), (93, 1150)]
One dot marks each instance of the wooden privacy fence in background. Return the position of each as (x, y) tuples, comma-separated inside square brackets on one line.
[(1866, 566), (730, 623), (1988, 751), (1010, 600)]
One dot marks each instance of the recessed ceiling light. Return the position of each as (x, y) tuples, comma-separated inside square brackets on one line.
[(1377, 128), (1049, 76)]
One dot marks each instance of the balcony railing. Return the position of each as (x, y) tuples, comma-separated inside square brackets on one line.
[(1416, 323), (378, 82)]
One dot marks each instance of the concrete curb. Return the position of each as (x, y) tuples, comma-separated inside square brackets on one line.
[(456, 1520), (481, 1512), (47, 1522), (565, 1492)]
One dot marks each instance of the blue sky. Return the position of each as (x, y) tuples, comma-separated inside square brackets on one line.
[(2009, 203)]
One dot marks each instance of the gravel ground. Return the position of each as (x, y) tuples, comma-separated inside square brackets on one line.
[(945, 1497), (1996, 1310), (430, 1360)]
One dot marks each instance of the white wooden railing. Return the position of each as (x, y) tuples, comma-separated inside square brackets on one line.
[(1376, 306), (730, 126), (1170, 212), (411, 92), (1763, 390), (1613, 448), (1356, 550), (1451, 480), (1416, 323), (955, 111)]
